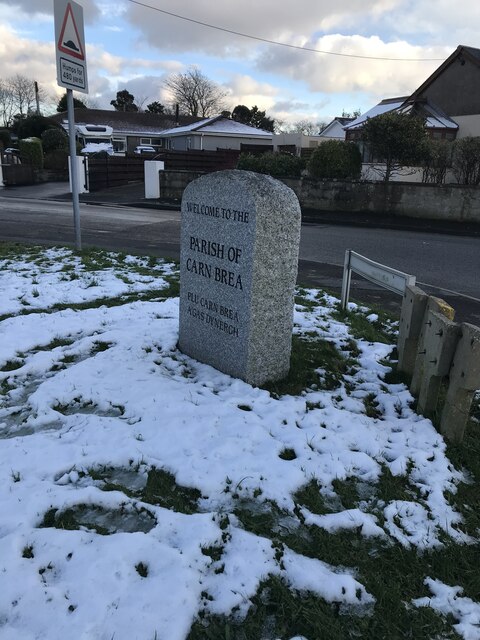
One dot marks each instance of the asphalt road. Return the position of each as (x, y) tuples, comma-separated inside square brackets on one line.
[(445, 265)]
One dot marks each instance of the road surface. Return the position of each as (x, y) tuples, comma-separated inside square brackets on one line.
[(445, 265)]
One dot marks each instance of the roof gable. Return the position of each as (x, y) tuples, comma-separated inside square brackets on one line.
[(470, 53)]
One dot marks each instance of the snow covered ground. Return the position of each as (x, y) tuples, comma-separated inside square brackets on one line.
[(122, 462)]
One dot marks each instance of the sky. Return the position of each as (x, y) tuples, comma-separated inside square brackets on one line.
[(96, 400), (131, 46)]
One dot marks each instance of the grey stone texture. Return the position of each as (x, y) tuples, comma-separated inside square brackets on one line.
[(440, 341), (411, 318), (439, 306), (464, 381), (238, 265)]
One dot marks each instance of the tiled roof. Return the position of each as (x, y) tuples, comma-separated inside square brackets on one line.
[(219, 125), (389, 104), (127, 121), (434, 117)]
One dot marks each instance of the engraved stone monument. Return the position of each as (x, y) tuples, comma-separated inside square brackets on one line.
[(238, 266)]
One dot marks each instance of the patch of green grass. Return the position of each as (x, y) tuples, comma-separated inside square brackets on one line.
[(162, 489), (12, 365), (346, 490), (94, 259), (100, 346), (142, 569), (173, 288), (307, 356), (99, 519), (466, 499), (19, 251), (214, 552), (371, 405), (278, 611), (54, 344), (5, 387), (394, 376), (27, 551), (361, 328), (287, 454), (309, 304), (310, 496)]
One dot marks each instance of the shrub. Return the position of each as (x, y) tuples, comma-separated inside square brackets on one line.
[(466, 160), (335, 159), (5, 140), (34, 126), (281, 165), (53, 139), (438, 158), (56, 160), (31, 150)]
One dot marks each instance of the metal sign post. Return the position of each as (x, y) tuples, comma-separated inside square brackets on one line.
[(71, 74), (73, 170)]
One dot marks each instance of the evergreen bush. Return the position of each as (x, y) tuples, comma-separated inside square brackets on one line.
[(277, 164), (31, 150), (56, 160), (53, 139), (335, 160)]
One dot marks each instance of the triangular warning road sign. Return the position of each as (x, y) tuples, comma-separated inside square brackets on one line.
[(69, 41)]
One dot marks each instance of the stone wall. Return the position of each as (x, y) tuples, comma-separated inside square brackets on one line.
[(451, 202), (173, 183), (458, 203)]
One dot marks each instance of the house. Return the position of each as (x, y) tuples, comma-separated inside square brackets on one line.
[(335, 129), (215, 133), (455, 88), (164, 131), (301, 144), (294, 142), (437, 123), (448, 100), (129, 128)]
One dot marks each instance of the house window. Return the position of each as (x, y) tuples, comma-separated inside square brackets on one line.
[(119, 145)]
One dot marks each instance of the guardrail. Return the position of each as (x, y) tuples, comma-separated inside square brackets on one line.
[(433, 350), (380, 274)]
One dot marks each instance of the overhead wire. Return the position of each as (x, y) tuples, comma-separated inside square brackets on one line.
[(280, 44)]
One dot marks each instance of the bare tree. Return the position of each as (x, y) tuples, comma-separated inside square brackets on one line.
[(23, 93), (307, 127), (7, 107), (18, 98), (195, 94)]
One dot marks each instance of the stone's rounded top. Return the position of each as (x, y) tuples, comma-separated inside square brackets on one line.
[(256, 186)]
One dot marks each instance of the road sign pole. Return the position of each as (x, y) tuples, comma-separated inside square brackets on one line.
[(73, 170)]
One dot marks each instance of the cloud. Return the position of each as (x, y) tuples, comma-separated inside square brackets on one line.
[(268, 19), (45, 7), (330, 74), (26, 57)]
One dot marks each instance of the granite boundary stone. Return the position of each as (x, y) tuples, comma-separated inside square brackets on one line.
[(238, 265)]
